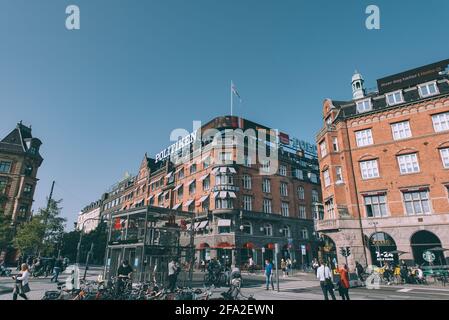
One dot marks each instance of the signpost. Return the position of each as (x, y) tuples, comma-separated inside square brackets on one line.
[(276, 252)]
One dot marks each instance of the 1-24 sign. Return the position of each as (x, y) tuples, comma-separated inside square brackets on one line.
[(384, 256)]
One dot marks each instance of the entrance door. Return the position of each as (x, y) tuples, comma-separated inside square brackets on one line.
[(381, 245), (421, 242)]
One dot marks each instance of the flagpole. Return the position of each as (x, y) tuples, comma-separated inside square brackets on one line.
[(232, 99)]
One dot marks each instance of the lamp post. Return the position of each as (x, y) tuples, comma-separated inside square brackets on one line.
[(375, 223)]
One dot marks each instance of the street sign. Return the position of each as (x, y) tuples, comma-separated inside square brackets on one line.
[(276, 248), (428, 256), (303, 250)]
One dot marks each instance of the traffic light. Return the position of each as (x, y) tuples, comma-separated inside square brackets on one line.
[(348, 251)]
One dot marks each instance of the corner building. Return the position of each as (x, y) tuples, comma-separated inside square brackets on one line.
[(384, 162)]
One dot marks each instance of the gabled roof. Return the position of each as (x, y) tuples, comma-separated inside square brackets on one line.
[(19, 141)]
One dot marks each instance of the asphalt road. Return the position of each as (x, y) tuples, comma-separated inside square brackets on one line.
[(300, 287)]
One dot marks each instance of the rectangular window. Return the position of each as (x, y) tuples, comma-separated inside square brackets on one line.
[(441, 122), (206, 184), (266, 187), (327, 178), (313, 177), (180, 175), (323, 149), (408, 163), (376, 206), (284, 209), (5, 166), (299, 174), (339, 174), (416, 202), (284, 189), (302, 212), (266, 206), (364, 106), (301, 193), (364, 138), (428, 89), (445, 157), (329, 207), (225, 156), (394, 98), (27, 189), (247, 160), (193, 168), (401, 130), (315, 196), (246, 181), (283, 170), (335, 144), (369, 169), (247, 203), (192, 188)]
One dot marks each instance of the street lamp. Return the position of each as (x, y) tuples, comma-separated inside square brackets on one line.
[(375, 223)]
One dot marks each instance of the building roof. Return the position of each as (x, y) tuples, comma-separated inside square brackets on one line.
[(19, 141), (407, 82)]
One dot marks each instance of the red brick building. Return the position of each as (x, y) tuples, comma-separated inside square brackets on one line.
[(238, 211), (384, 162)]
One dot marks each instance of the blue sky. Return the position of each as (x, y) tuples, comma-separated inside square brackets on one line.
[(100, 97)]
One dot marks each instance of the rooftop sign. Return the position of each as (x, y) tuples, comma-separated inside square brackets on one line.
[(412, 77)]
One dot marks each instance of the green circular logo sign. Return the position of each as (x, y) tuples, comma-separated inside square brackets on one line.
[(428, 256)]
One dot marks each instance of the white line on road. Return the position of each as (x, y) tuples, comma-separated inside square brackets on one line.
[(405, 290)]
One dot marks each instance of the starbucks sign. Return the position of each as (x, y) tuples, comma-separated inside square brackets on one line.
[(428, 256)]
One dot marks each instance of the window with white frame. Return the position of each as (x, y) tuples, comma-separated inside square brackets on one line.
[(428, 89), (302, 212), (323, 149), (299, 174), (284, 189), (369, 169), (266, 206), (192, 188), (283, 170), (225, 156), (268, 230), (301, 193), (315, 196), (285, 231), (304, 234), (339, 174), (364, 138), (313, 177), (416, 202), (408, 163), (206, 183), (441, 122), (394, 98), (284, 209), (401, 130), (247, 227), (224, 179), (246, 181), (265, 167), (248, 203), (224, 203), (445, 157), (376, 206), (364, 106), (335, 144), (329, 208), (326, 178), (266, 186)]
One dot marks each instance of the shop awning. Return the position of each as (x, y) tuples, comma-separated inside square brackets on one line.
[(165, 193), (178, 186), (176, 206), (203, 246), (201, 200), (204, 177), (190, 182), (188, 203), (249, 245), (224, 245), (158, 194), (169, 175), (150, 197), (224, 223), (223, 170), (232, 195), (225, 194), (179, 169), (203, 224)]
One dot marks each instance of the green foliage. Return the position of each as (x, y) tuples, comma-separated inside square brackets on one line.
[(43, 233), (6, 231)]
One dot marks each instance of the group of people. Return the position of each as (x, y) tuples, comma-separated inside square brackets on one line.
[(286, 266)]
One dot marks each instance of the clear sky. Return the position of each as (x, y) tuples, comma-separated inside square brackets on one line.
[(100, 97)]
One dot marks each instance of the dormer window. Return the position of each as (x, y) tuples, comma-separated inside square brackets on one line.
[(364, 106), (394, 98), (428, 89)]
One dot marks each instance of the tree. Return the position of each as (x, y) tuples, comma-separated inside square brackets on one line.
[(6, 232), (42, 234)]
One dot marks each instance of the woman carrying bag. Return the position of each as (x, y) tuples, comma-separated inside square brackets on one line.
[(22, 285)]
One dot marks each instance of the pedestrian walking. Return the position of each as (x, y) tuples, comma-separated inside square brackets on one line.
[(289, 266), (343, 283), (315, 265), (173, 271), (397, 274), (359, 270), (21, 286), (57, 270), (283, 267), (269, 274), (324, 275), (203, 266)]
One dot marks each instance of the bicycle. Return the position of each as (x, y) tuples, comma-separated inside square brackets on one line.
[(215, 278)]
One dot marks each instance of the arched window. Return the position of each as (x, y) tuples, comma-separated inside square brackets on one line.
[(304, 233), (268, 230), (247, 227)]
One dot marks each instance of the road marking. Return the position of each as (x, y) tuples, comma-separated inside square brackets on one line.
[(405, 290)]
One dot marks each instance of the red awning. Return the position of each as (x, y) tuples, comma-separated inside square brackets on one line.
[(224, 245), (203, 246), (249, 245), (270, 246)]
